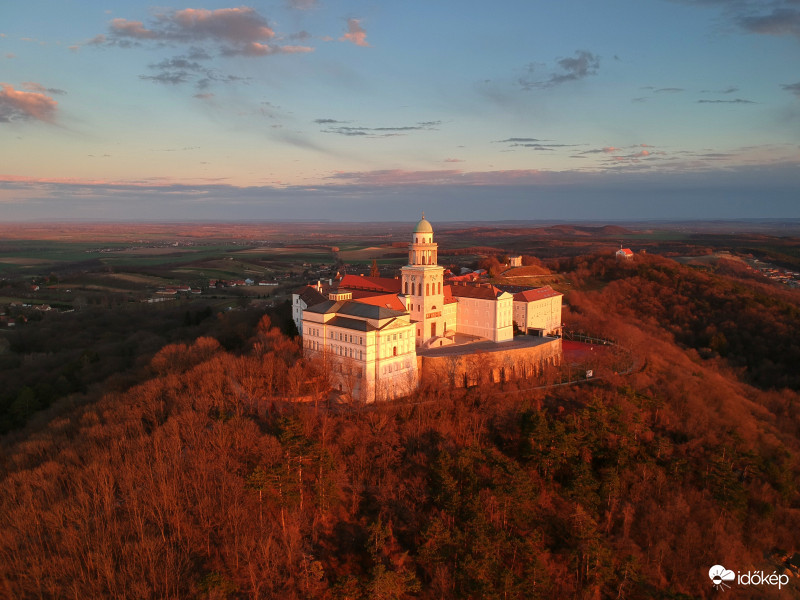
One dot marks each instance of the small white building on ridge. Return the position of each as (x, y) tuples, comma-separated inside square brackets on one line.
[(624, 254)]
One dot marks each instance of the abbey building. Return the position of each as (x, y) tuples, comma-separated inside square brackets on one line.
[(372, 331)]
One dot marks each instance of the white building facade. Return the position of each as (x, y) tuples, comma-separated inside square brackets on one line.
[(368, 346), (538, 311), (307, 296), (369, 352), (484, 311)]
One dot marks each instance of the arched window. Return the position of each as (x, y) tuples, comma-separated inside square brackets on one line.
[(427, 289), (406, 287), (440, 287), (394, 351)]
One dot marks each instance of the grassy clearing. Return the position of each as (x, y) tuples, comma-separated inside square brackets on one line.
[(269, 252), (169, 251), (24, 262), (138, 279), (368, 253), (529, 271)]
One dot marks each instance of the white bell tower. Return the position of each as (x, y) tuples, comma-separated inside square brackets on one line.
[(422, 285)]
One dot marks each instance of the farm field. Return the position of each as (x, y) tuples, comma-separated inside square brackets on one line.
[(140, 258)]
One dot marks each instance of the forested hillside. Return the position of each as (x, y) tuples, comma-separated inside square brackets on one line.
[(205, 481)]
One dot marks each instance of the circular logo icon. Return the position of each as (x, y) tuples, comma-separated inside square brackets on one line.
[(720, 575)]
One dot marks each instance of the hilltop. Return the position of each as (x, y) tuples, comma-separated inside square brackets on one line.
[(205, 479)]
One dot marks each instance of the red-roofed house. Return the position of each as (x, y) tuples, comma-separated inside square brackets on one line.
[(538, 311), (386, 300), (373, 284), (472, 276), (485, 311), (624, 254)]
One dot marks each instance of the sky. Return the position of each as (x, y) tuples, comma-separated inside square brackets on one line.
[(363, 110)]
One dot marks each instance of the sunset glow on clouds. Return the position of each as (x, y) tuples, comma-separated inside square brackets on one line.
[(300, 107), (18, 105), (355, 33)]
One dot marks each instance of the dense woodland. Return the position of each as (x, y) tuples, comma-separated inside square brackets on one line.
[(203, 480), (58, 355)]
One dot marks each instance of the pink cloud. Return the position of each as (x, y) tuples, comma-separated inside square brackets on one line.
[(238, 25), (643, 153), (453, 160), (258, 49), (395, 177), (134, 29), (18, 105), (610, 149), (239, 31), (32, 86), (25, 179), (152, 182), (355, 33), (241, 24), (296, 49)]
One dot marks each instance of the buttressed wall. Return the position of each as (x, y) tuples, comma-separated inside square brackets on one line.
[(473, 368)]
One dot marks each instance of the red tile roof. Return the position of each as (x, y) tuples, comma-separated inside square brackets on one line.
[(465, 277), (384, 300), (448, 295), (377, 284), (487, 292), (536, 294)]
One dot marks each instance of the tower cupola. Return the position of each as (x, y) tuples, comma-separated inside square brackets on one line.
[(423, 226), (422, 250)]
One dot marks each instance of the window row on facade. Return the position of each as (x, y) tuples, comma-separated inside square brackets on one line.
[(416, 289)]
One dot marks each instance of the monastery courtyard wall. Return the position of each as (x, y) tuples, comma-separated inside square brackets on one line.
[(467, 365)]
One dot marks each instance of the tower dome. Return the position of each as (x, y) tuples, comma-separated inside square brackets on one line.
[(423, 226)]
